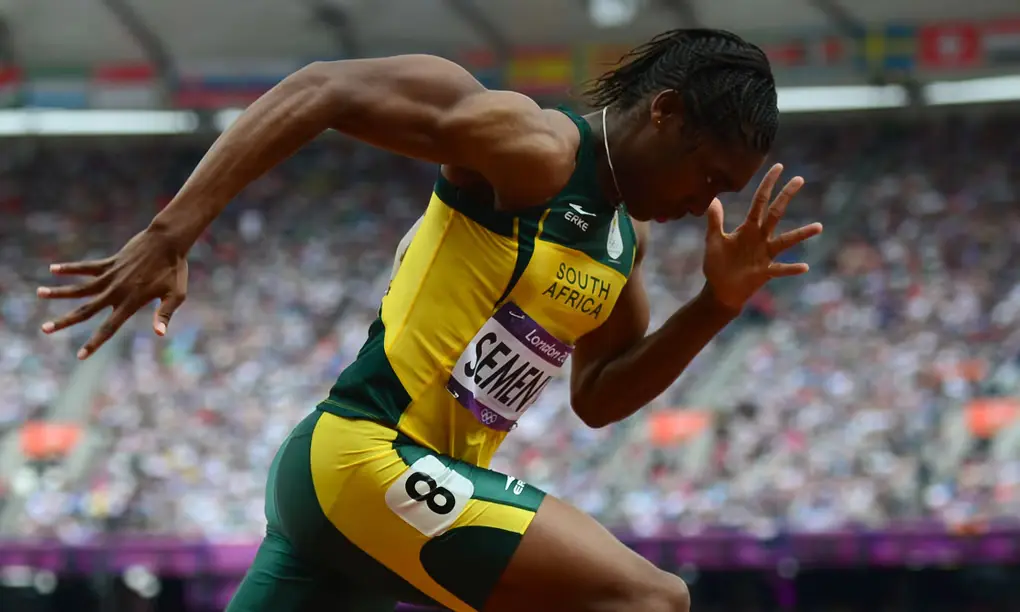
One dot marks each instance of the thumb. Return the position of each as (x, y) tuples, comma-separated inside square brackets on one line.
[(715, 217), (167, 307)]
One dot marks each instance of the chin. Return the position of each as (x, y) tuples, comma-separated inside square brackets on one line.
[(667, 217), (640, 215)]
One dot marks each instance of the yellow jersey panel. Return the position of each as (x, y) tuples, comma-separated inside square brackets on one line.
[(566, 291), (452, 274)]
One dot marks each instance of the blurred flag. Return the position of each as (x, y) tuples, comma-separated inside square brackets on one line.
[(949, 46), (828, 51), (787, 54), (811, 50), (228, 83), (595, 60), (10, 86), (56, 88), (484, 66), (541, 71), (128, 86), (1000, 41), (890, 47)]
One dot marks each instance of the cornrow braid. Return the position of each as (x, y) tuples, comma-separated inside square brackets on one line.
[(726, 83)]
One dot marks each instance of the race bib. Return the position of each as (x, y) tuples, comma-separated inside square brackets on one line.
[(505, 367), (429, 496)]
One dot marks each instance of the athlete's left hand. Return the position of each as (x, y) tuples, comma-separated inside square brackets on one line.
[(739, 263)]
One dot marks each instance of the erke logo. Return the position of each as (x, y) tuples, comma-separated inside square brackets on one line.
[(577, 216), (580, 210), (518, 485)]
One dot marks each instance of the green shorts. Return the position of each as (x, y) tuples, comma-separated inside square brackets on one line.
[(360, 518)]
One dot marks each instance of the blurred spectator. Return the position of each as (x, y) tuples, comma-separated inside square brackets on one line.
[(840, 402)]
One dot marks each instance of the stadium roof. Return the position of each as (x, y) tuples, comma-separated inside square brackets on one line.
[(64, 32)]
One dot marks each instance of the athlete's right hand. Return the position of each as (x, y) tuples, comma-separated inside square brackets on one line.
[(149, 267)]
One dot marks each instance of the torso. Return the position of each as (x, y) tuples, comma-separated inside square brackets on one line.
[(484, 309)]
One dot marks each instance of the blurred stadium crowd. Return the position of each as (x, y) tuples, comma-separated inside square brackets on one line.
[(841, 412)]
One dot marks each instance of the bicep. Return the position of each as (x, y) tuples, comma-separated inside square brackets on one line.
[(433, 109), (400, 103)]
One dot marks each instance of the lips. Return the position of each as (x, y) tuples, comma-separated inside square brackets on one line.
[(665, 219)]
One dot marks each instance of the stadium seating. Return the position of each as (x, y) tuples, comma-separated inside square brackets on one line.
[(838, 416)]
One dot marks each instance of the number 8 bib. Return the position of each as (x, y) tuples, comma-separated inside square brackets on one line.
[(429, 496)]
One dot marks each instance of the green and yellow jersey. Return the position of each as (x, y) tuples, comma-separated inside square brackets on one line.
[(484, 310)]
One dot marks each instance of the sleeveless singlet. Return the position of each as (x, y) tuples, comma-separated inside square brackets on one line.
[(485, 309)]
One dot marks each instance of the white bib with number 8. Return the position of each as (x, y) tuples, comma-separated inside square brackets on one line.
[(429, 496)]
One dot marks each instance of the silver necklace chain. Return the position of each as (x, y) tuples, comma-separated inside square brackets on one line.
[(609, 156)]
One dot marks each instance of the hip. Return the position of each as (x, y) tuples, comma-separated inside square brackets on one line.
[(355, 493), (434, 421)]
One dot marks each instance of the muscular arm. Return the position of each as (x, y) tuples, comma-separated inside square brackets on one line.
[(617, 369), (415, 105)]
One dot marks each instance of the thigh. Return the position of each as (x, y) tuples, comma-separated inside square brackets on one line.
[(447, 528), (296, 513), (568, 561)]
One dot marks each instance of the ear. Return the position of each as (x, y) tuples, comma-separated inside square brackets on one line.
[(667, 110)]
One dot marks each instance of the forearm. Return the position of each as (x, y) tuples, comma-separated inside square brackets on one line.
[(268, 132), (633, 379)]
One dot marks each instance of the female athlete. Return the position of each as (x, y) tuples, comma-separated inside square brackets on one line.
[(529, 252)]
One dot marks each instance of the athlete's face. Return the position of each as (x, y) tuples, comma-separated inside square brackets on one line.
[(670, 176)]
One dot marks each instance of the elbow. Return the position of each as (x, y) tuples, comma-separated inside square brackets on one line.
[(322, 89), (592, 414), (317, 77), (588, 397)]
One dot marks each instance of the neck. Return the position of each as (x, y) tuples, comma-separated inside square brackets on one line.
[(605, 174)]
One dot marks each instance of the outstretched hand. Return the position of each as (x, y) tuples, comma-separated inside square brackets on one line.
[(149, 267), (739, 263)]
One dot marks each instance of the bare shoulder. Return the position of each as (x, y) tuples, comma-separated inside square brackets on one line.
[(517, 122), (527, 153)]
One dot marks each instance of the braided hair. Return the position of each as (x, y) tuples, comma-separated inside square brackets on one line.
[(725, 82)]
